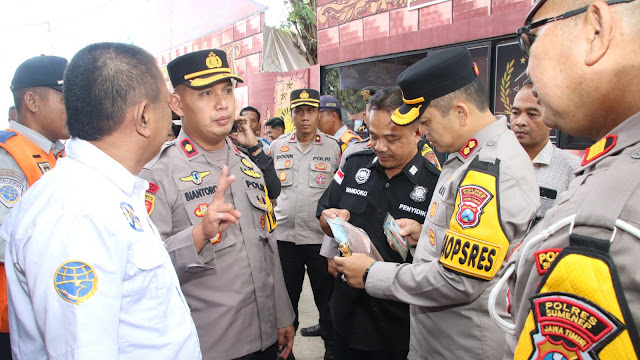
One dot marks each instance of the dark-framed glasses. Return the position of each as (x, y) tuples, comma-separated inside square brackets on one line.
[(527, 38)]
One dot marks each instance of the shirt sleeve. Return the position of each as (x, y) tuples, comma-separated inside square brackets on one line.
[(429, 283), (73, 268)]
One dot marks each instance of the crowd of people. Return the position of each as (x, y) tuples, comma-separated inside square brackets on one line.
[(134, 247)]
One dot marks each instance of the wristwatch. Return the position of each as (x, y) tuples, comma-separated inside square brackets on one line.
[(255, 147), (366, 273)]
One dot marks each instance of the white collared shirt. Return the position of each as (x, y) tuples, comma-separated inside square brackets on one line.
[(88, 274)]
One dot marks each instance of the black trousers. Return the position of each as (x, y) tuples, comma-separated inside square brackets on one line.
[(344, 352), (294, 258), (5, 346), (269, 353)]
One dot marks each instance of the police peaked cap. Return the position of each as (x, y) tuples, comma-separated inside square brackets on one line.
[(309, 97), (199, 69), (440, 73)]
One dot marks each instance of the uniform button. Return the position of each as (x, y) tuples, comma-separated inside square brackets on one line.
[(386, 185), (490, 143), (636, 154)]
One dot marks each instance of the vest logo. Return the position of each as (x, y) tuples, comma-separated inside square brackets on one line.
[(132, 219), (201, 209), (570, 327), (195, 177), (472, 199), (149, 202), (75, 281), (544, 258), (284, 148)]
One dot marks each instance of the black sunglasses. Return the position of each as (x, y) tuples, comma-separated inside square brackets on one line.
[(527, 38)]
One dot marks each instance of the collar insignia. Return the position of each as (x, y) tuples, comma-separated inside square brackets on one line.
[(153, 188), (600, 148), (188, 148), (317, 138), (293, 137), (468, 148)]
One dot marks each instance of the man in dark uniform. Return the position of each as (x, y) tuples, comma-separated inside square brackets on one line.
[(227, 262), (391, 177)]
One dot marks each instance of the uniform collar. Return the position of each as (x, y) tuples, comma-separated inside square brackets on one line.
[(191, 150), (544, 156), (88, 154), (37, 138), (621, 137), (317, 139), (340, 132), (412, 170), (475, 143)]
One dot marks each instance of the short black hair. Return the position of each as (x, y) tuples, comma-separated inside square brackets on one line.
[(387, 99), (102, 82), (250, 108), (12, 108), (275, 122), (474, 93)]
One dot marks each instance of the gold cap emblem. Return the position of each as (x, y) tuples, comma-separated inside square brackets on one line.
[(213, 61), (304, 94)]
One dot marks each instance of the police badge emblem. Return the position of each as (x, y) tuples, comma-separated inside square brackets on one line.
[(362, 176), (473, 199), (419, 194)]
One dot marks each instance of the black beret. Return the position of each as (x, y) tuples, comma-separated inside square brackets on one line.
[(43, 70), (309, 97), (200, 69), (440, 73)]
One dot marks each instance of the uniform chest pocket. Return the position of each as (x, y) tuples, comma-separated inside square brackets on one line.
[(149, 284), (259, 210), (355, 204), (320, 175), (284, 170)]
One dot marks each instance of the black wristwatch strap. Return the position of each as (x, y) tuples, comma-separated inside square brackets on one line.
[(255, 147), (366, 273)]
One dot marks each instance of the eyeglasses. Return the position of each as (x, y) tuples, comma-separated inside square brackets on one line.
[(527, 38)]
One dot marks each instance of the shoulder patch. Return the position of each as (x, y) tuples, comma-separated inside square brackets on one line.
[(75, 281), (10, 191), (338, 176), (600, 148), (6, 135)]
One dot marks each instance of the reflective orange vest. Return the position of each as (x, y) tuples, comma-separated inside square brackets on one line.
[(348, 136), (33, 162)]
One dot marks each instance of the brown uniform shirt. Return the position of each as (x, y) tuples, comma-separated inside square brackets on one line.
[(234, 286), (304, 175)]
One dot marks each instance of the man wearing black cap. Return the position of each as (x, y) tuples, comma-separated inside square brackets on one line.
[(574, 285), (31, 145), (305, 161), (390, 178), (232, 280), (485, 197), (330, 122)]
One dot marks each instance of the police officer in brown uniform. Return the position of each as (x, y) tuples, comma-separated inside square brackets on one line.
[(227, 260), (305, 161), (480, 210), (574, 285)]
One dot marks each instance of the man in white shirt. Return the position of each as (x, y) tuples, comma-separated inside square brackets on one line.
[(88, 274), (554, 167)]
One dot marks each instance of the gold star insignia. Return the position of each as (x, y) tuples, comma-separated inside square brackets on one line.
[(523, 60)]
